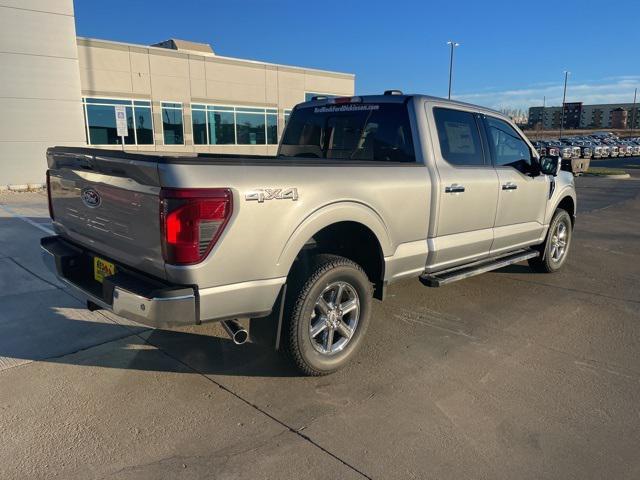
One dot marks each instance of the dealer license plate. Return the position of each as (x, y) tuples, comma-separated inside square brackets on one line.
[(102, 268)]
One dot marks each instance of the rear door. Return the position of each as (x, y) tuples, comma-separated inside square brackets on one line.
[(522, 196), (468, 189), (109, 203)]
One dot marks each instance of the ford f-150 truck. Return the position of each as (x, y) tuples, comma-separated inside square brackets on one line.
[(364, 191)]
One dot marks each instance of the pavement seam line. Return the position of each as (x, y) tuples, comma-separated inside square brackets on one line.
[(260, 410), (576, 358), (58, 287), (79, 350), (574, 290), (42, 279)]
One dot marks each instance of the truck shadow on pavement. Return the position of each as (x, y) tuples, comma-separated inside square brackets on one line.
[(55, 338)]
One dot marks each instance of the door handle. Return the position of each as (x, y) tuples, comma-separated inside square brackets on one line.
[(454, 188), (509, 186)]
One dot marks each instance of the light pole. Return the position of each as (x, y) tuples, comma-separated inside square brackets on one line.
[(453, 45), (633, 111), (544, 106), (564, 98)]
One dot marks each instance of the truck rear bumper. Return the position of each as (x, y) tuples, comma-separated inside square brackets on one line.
[(132, 295)]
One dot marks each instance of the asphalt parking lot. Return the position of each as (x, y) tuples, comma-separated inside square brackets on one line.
[(509, 375)]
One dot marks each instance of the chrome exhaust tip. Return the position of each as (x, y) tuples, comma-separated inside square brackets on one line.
[(237, 332)]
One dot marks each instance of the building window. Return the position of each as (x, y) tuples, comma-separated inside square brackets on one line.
[(229, 125), (272, 127), (287, 114), (100, 121), (309, 95), (250, 126), (222, 130), (199, 117), (172, 123)]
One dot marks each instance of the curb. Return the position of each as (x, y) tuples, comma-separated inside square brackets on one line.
[(612, 177), (24, 187)]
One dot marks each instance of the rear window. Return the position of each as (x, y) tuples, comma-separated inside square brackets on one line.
[(352, 131)]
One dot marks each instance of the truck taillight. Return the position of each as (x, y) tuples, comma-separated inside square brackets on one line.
[(192, 220), (49, 194)]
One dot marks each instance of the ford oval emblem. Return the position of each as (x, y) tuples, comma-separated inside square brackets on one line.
[(90, 197)]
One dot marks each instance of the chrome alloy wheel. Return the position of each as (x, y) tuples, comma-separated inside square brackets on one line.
[(334, 318), (559, 241)]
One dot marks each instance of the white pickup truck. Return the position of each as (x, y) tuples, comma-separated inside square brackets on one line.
[(364, 191)]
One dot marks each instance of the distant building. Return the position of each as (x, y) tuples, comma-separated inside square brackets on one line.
[(619, 118), (601, 116), (572, 112), (545, 118), (179, 96), (578, 115)]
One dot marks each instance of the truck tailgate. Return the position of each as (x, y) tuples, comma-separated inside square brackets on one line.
[(108, 203)]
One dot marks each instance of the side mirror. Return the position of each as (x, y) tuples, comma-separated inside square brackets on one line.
[(549, 165)]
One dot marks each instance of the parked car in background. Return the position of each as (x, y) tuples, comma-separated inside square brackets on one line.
[(586, 149), (540, 147), (578, 163), (565, 151), (595, 148), (629, 147)]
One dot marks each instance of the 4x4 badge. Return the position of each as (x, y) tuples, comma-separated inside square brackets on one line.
[(261, 194)]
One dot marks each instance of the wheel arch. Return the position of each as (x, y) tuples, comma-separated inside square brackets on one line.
[(565, 199), (349, 229), (568, 204)]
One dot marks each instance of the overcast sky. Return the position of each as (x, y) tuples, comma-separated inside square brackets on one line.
[(510, 55)]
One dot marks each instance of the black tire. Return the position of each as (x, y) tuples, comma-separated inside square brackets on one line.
[(546, 262), (308, 282)]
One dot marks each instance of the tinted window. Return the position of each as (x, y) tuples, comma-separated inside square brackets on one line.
[(199, 119), (221, 128), (507, 147), (172, 124), (459, 137), (144, 125), (272, 128), (101, 121), (250, 128), (353, 131)]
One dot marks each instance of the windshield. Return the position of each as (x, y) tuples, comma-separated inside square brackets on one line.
[(352, 131)]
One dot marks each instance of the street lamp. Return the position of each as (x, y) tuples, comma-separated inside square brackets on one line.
[(453, 45), (633, 111), (564, 98)]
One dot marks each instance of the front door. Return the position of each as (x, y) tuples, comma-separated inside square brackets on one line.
[(523, 193), (468, 190)]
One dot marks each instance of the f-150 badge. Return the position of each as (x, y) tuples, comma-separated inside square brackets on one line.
[(261, 194)]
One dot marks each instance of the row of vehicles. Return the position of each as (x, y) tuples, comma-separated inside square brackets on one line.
[(576, 152)]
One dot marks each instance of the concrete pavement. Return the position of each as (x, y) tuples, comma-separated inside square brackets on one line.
[(506, 375)]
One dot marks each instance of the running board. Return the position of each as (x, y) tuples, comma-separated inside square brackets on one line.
[(443, 277)]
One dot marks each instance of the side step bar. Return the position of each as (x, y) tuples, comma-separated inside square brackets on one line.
[(438, 279)]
